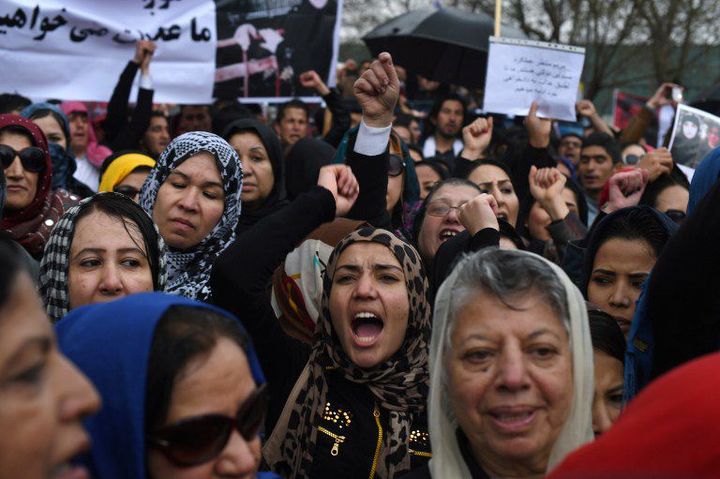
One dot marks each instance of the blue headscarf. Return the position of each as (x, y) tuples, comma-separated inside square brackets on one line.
[(704, 178), (110, 343)]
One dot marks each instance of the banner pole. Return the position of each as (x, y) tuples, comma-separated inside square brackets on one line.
[(498, 16)]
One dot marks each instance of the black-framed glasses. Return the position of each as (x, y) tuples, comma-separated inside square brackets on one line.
[(440, 208), (396, 165), (127, 190), (677, 216), (197, 440), (32, 158)]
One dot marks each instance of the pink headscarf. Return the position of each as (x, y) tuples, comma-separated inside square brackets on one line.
[(95, 152)]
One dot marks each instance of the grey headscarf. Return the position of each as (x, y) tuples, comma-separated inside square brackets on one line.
[(447, 460)]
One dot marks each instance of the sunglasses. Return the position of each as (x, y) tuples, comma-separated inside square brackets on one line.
[(396, 165), (127, 190), (32, 158), (199, 439)]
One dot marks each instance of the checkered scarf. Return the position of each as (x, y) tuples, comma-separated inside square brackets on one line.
[(53, 281), (189, 271)]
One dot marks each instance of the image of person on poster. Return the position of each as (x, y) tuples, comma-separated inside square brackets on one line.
[(688, 148), (261, 51)]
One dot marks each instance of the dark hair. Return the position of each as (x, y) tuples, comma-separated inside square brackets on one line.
[(663, 182), (416, 149), (62, 122), (605, 334), (606, 142), (437, 167), (633, 223), (158, 113), (228, 114), (182, 334), (132, 215), (491, 162), (10, 102), (19, 130), (420, 216), (404, 120), (10, 266), (294, 103), (429, 128)]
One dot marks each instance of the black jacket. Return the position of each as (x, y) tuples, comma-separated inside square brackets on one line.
[(239, 279), (121, 134)]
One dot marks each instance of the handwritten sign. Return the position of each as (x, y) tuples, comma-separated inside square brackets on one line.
[(76, 49), (522, 71), (695, 133)]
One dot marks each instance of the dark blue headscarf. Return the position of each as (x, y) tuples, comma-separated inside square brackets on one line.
[(704, 178), (110, 343)]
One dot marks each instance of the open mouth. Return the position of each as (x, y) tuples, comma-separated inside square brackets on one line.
[(366, 328), (70, 471), (513, 420), (623, 323), (446, 234), (502, 216)]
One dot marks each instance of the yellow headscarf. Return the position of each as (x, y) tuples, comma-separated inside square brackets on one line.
[(121, 167)]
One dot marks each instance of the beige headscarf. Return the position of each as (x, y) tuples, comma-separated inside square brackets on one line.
[(447, 461)]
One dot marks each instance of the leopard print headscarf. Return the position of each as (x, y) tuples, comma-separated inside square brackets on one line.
[(400, 385)]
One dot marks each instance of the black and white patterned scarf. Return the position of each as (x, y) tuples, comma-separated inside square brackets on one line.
[(53, 281), (400, 385), (189, 271)]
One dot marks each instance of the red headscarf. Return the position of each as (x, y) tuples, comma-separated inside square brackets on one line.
[(31, 226), (670, 430), (95, 152)]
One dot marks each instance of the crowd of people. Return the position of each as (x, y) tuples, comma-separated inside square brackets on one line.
[(367, 289)]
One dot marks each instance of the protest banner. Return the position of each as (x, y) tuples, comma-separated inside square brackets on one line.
[(522, 71), (263, 47), (625, 107), (76, 49), (695, 133)]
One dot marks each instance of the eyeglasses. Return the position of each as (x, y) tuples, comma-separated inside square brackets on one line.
[(440, 208), (396, 165), (677, 216), (127, 190), (32, 158), (197, 440), (632, 159)]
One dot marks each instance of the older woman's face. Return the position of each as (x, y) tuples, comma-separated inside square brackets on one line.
[(190, 202), (369, 304), (495, 181), (258, 176), (21, 184), (107, 261), (43, 397), (435, 230), (217, 383), (609, 386), (619, 270), (510, 379)]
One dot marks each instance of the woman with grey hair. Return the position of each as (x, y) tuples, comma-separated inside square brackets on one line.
[(511, 369)]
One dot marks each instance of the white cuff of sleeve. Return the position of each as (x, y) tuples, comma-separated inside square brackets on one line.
[(372, 141), (146, 82)]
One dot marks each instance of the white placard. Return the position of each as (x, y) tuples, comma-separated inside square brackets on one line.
[(76, 49), (522, 71)]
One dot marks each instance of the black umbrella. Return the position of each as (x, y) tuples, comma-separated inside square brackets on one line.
[(446, 44)]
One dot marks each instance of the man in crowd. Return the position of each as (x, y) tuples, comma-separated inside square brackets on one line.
[(291, 123), (194, 118), (599, 156), (446, 119)]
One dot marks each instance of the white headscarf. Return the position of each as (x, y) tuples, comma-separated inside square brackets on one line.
[(447, 460)]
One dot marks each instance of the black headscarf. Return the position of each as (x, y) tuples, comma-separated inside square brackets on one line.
[(303, 163), (277, 197)]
